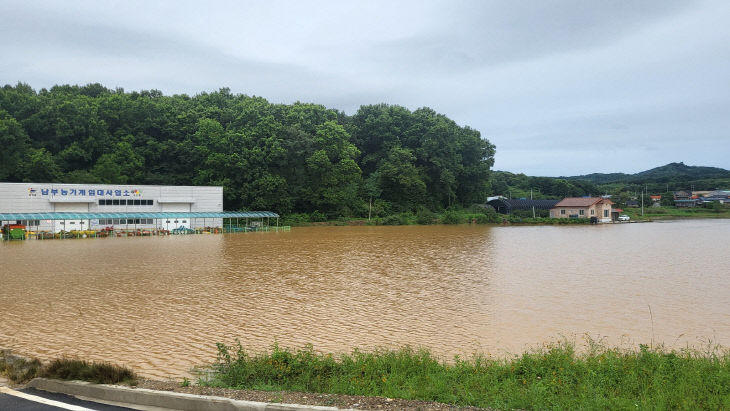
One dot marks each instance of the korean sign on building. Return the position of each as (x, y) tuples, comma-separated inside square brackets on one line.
[(82, 192)]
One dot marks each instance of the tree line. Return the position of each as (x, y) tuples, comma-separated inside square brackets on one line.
[(522, 186), (288, 158)]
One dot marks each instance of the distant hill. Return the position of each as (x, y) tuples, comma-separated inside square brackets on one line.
[(670, 177), (670, 173)]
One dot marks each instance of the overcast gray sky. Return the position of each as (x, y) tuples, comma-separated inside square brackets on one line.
[(560, 87)]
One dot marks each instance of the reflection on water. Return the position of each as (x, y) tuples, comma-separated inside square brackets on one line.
[(160, 304)]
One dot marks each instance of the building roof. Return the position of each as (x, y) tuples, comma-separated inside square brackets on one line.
[(157, 215), (581, 201), (504, 205), (719, 194), (656, 197)]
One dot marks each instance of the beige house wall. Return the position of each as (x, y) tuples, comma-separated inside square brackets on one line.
[(603, 210), (556, 212), (600, 210)]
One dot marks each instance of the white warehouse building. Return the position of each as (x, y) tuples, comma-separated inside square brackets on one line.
[(115, 205)]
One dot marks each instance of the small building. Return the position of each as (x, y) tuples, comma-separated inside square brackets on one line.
[(687, 203), (723, 196), (44, 198), (583, 207), (632, 203)]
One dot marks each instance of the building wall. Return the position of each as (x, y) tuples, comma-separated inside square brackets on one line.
[(556, 212), (604, 210), (600, 210), (46, 198)]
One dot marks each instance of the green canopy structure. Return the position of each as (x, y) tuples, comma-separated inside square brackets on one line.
[(155, 215)]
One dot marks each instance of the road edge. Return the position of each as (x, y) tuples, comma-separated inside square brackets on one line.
[(162, 399)]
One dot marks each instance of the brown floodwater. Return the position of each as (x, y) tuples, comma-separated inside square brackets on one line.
[(160, 304)]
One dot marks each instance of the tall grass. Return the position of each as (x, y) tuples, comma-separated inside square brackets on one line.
[(18, 369), (96, 372), (555, 377)]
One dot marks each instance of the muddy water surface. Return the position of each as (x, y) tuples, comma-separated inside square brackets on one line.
[(160, 304)]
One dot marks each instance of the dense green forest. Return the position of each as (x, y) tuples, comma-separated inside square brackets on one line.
[(283, 157), (289, 158)]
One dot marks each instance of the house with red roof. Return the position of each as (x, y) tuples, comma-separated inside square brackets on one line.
[(583, 207)]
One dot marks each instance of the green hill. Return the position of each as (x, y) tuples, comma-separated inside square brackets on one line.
[(522, 186), (670, 173), (659, 180)]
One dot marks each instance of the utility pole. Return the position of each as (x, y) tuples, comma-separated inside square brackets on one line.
[(533, 211), (642, 203), (533, 205), (370, 210)]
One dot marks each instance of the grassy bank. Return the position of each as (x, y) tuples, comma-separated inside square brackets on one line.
[(20, 369), (658, 213), (474, 215), (553, 378), (479, 215)]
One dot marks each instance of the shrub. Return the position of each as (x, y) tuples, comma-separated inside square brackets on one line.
[(380, 208), (296, 219), (391, 220), (453, 217), (478, 218), (317, 217), (478, 209), (96, 372), (19, 370), (492, 215), (407, 218), (528, 213), (425, 216)]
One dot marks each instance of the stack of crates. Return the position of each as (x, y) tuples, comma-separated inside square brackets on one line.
[(14, 232)]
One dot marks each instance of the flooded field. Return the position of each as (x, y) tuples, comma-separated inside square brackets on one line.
[(160, 304)]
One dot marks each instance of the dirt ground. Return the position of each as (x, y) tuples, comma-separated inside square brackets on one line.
[(286, 397)]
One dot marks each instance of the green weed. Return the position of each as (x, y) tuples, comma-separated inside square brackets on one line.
[(554, 377)]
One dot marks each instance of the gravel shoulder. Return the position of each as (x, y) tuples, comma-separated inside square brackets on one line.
[(288, 397)]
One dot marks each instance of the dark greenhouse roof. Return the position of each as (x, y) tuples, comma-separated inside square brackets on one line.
[(505, 206), (159, 215)]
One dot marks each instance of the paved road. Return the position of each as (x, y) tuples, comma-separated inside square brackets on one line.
[(36, 400)]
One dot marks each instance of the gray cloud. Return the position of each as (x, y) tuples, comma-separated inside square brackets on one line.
[(474, 35), (548, 82)]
